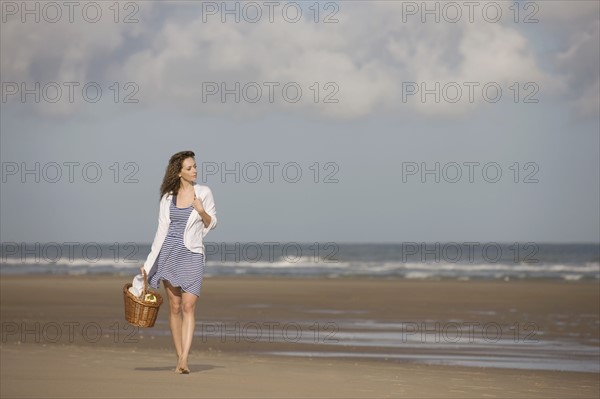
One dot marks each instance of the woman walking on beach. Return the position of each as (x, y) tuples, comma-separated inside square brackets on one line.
[(187, 212)]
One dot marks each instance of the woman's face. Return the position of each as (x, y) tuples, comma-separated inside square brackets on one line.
[(188, 169)]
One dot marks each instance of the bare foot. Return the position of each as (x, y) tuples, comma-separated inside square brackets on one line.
[(182, 366), (178, 367)]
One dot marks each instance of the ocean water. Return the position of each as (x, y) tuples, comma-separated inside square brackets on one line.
[(414, 260)]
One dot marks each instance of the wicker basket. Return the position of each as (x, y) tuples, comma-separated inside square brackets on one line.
[(138, 312)]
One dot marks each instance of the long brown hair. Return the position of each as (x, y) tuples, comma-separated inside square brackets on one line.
[(171, 180)]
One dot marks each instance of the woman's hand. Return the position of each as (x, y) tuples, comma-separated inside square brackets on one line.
[(198, 204), (206, 218)]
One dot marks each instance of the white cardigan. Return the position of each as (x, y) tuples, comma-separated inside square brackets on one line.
[(193, 233)]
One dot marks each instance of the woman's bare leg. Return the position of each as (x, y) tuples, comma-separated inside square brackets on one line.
[(175, 316), (189, 322)]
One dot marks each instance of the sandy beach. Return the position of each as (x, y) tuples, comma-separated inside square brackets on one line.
[(65, 336)]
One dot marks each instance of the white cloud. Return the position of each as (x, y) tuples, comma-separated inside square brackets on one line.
[(61, 52), (573, 29), (368, 55), (580, 66)]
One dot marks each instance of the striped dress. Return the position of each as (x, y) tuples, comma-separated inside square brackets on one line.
[(176, 263)]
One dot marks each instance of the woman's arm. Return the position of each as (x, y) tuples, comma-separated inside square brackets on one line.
[(161, 232), (206, 210)]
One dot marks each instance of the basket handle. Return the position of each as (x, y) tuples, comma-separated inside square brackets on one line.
[(145, 291)]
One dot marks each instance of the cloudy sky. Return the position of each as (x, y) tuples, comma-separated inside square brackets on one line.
[(350, 121)]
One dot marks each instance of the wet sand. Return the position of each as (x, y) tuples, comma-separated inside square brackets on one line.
[(65, 336)]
